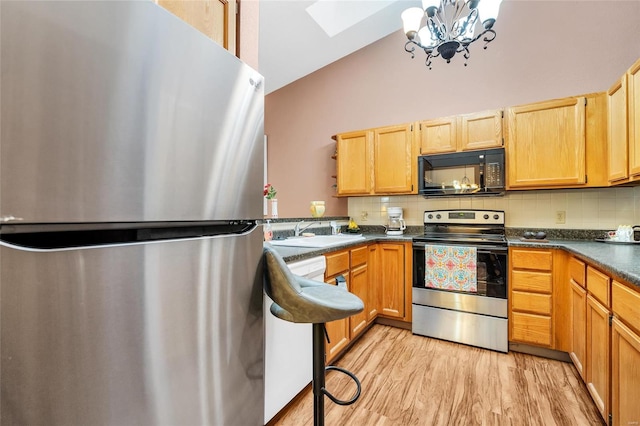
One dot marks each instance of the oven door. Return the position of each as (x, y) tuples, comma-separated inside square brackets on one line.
[(478, 318), (491, 270)]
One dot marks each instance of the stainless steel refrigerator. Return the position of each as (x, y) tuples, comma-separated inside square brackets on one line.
[(131, 167)]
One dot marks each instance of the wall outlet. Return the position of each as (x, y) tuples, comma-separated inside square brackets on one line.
[(364, 215), (561, 216)]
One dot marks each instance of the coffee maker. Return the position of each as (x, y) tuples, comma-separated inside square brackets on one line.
[(395, 225)]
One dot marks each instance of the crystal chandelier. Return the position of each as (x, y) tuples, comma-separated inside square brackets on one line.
[(450, 26)]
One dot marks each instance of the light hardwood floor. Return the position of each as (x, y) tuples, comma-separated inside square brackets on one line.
[(415, 380)]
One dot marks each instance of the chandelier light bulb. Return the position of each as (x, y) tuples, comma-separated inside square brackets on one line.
[(411, 21), (450, 26)]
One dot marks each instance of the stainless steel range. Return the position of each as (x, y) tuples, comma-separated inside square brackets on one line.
[(460, 278)]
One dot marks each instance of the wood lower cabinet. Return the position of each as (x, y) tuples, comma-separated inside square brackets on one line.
[(337, 331), (625, 354), (391, 272), (373, 308), (359, 285), (531, 296), (214, 18), (625, 374), (597, 354), (578, 326)]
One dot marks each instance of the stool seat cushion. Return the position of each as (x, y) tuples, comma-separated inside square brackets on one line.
[(297, 299)]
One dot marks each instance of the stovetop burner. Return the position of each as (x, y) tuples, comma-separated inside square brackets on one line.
[(464, 226)]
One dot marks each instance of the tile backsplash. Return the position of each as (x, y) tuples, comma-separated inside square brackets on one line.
[(602, 208)]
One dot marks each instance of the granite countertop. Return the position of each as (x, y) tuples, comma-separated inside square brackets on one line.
[(292, 254), (621, 261)]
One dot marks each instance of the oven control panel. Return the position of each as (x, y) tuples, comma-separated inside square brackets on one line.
[(465, 217)]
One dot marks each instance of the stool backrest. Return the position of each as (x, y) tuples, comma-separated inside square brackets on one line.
[(280, 284)]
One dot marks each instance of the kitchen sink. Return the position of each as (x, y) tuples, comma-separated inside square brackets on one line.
[(318, 241)]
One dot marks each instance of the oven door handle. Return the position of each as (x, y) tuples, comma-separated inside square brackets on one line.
[(492, 250)]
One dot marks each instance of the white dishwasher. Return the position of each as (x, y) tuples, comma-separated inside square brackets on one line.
[(288, 347)]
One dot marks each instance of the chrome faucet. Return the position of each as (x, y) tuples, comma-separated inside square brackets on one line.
[(298, 229)]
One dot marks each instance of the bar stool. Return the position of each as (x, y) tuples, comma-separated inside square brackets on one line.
[(300, 300)]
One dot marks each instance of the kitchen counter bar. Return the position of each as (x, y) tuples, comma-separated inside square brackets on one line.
[(622, 261)]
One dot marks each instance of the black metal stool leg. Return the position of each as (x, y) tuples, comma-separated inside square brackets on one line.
[(318, 374)]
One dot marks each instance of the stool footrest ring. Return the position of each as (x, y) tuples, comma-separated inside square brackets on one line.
[(353, 377)]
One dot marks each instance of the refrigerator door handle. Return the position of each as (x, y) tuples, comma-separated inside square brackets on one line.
[(10, 218)]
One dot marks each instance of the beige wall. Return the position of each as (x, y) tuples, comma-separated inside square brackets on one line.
[(380, 85), (585, 209), (248, 40)]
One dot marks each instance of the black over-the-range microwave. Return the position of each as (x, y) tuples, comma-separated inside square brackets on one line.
[(462, 173)]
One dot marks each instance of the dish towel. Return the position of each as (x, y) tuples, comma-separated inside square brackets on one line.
[(451, 268)]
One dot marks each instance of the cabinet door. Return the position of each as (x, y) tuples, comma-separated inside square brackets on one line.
[(545, 144), (392, 160), (214, 18), (633, 95), (338, 331), (354, 163), (391, 273), (374, 284), (438, 136), (625, 374), (578, 326), (598, 343), (617, 124), (480, 130), (359, 287)]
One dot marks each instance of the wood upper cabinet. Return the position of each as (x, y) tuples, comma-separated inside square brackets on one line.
[(597, 354), (546, 143), (376, 161), (393, 162), (633, 94), (438, 136), (354, 162), (466, 132), (480, 130), (214, 18), (618, 159), (391, 272)]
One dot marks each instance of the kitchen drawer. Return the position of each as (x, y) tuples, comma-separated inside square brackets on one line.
[(531, 328), (531, 302), (359, 256), (540, 282), (626, 304), (577, 271), (598, 285), (531, 259), (337, 262)]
